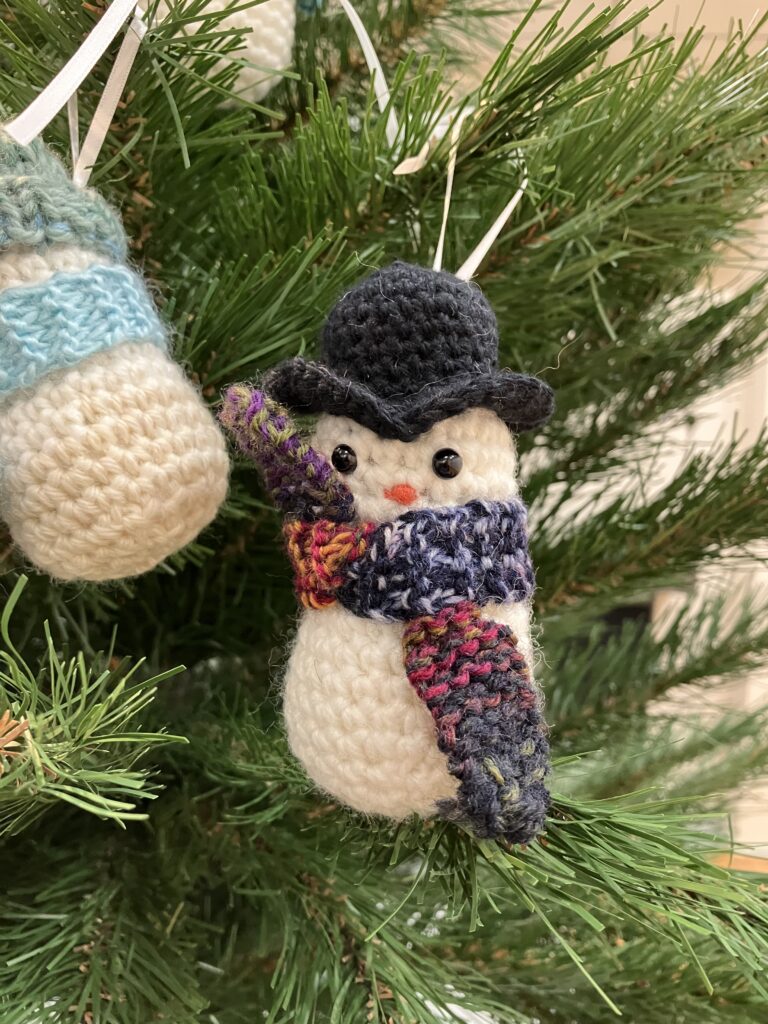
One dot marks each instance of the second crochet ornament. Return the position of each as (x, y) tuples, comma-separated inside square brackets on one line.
[(409, 689), (267, 43), (110, 460)]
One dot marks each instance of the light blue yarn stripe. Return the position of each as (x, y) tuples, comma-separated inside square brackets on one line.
[(57, 323)]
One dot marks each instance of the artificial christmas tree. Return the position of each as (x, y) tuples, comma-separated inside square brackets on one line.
[(163, 856)]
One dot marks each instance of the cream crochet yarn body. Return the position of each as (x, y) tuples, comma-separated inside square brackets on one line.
[(352, 717), (354, 720), (109, 459), (267, 42), (110, 466)]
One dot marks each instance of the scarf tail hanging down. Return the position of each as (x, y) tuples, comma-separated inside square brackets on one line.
[(471, 675)]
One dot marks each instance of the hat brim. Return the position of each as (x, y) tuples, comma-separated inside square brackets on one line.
[(521, 401)]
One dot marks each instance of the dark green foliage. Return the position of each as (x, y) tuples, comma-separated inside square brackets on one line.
[(238, 894), (80, 739)]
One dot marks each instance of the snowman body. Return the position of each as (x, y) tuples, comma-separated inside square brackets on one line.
[(354, 720), (352, 717)]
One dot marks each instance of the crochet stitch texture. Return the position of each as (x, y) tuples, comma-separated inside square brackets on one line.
[(40, 207), (429, 569), (419, 564), (267, 42), (109, 459), (301, 482), (110, 466), (69, 317), (430, 559), (321, 553), (475, 682), (411, 316)]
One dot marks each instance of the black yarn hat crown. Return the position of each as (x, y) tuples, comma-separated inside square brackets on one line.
[(405, 348), (405, 327)]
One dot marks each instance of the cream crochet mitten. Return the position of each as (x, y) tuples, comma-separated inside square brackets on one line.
[(109, 459)]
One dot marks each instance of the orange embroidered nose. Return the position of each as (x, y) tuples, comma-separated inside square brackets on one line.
[(404, 494)]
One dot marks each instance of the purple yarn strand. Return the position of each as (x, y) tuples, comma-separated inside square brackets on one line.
[(300, 479)]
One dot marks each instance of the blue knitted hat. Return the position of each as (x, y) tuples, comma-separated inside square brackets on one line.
[(40, 205)]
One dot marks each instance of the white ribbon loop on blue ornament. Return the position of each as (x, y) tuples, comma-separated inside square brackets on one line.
[(62, 89), (113, 90)]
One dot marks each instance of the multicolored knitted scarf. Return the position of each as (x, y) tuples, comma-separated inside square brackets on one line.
[(432, 569), (418, 564)]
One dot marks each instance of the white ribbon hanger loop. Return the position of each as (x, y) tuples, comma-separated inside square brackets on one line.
[(110, 98), (62, 89), (380, 87), (470, 266)]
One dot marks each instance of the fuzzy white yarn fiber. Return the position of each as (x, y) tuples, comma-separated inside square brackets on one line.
[(354, 720), (19, 267), (110, 466), (352, 717), (268, 44)]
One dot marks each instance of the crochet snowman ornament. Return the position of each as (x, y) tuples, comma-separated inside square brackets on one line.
[(109, 459), (409, 688)]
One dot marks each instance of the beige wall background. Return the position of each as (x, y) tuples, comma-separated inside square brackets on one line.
[(744, 403)]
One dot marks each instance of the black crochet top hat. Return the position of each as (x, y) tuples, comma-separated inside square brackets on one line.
[(405, 348)]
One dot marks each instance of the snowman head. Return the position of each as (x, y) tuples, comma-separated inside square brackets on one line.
[(415, 411), (461, 458)]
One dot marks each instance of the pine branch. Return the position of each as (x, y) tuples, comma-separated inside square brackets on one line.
[(601, 861), (585, 672), (715, 504), (648, 982), (92, 939), (71, 734), (693, 898), (699, 761), (246, 892), (656, 371), (240, 317)]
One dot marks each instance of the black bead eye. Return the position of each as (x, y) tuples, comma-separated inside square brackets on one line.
[(344, 458), (447, 463)]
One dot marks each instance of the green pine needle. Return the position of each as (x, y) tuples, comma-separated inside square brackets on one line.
[(82, 740)]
